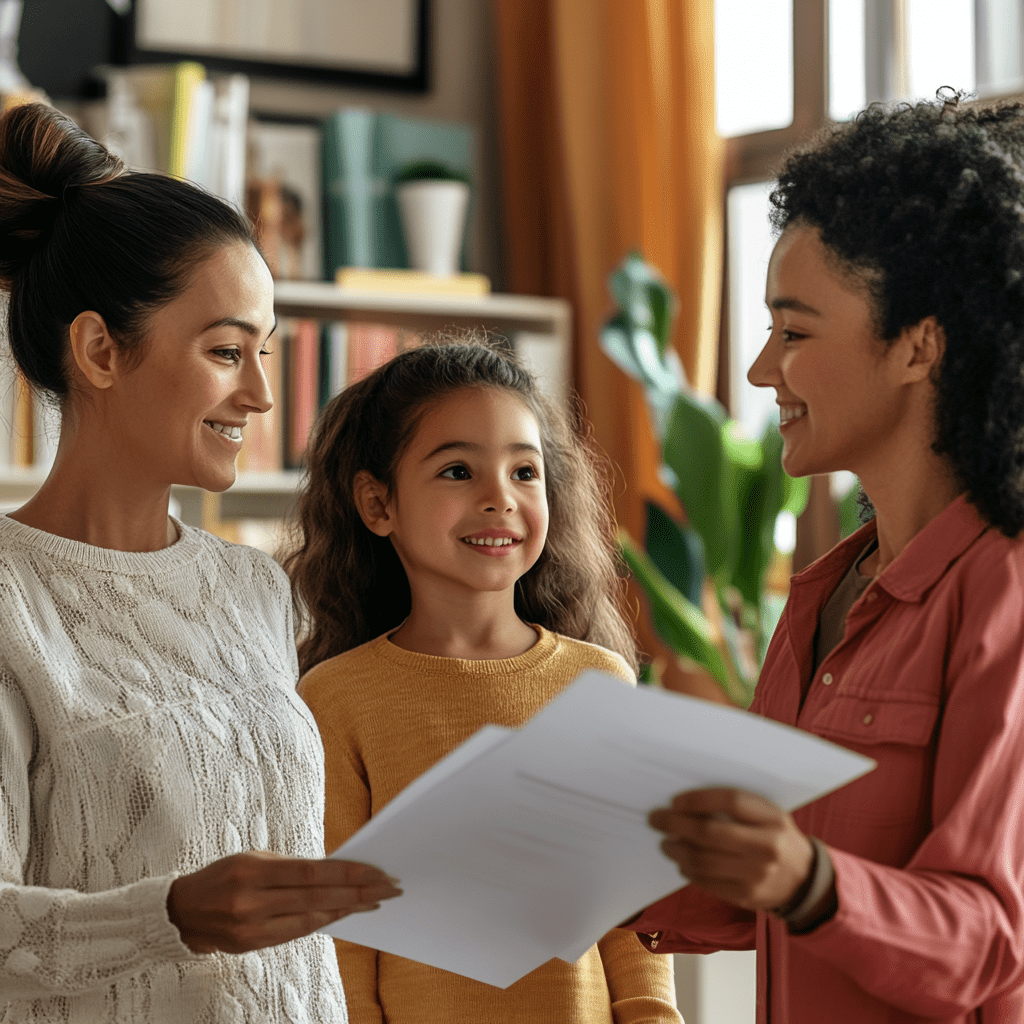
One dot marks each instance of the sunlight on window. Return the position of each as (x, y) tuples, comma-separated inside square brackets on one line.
[(753, 65), (846, 60), (750, 246), (940, 37)]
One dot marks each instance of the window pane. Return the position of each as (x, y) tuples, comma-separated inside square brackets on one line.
[(846, 65), (750, 246), (940, 38), (753, 65), (1000, 47)]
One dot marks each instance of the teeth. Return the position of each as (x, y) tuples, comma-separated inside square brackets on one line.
[(791, 412), (235, 433), (490, 542)]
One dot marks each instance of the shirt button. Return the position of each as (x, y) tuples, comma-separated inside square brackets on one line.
[(872, 595), (868, 719), (827, 678)]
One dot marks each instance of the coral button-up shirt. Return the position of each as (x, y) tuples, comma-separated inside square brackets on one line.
[(929, 847)]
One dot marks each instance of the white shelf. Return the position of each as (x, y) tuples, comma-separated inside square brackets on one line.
[(323, 301)]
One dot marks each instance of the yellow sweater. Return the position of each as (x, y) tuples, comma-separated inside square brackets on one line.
[(386, 715)]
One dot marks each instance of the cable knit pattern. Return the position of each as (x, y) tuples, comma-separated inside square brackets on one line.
[(148, 726)]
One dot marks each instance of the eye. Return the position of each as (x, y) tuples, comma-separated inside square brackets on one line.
[(456, 472), (790, 336), (525, 473), (232, 355)]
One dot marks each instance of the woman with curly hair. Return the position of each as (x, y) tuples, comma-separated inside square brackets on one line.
[(896, 291)]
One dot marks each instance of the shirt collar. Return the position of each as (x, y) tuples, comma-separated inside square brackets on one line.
[(920, 565)]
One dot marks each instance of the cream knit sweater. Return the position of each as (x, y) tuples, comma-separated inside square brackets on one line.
[(148, 726)]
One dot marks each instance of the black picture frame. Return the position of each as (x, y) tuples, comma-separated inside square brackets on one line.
[(416, 81)]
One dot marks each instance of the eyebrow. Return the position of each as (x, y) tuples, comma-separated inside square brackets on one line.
[(234, 321), (471, 446), (784, 302)]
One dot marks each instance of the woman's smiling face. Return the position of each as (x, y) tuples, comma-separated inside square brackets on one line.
[(179, 416), (835, 382)]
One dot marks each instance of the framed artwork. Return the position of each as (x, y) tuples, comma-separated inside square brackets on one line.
[(379, 44), (284, 195)]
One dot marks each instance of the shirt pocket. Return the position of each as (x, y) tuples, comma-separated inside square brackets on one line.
[(868, 720), (884, 814)]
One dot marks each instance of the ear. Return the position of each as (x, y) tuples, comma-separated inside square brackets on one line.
[(93, 349), (921, 349), (373, 503)]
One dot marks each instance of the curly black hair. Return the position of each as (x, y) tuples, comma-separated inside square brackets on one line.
[(924, 203)]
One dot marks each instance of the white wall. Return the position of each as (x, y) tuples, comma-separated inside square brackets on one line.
[(719, 988)]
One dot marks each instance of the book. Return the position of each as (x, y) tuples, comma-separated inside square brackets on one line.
[(369, 346), (362, 279), (263, 446), (302, 375), (173, 118)]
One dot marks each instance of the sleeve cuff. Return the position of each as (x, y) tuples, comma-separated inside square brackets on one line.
[(815, 902)]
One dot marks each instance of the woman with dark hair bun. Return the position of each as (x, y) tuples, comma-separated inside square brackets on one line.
[(150, 734), (896, 293)]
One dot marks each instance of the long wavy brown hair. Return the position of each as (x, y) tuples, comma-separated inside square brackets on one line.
[(349, 585)]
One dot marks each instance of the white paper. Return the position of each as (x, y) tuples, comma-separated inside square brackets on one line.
[(529, 844)]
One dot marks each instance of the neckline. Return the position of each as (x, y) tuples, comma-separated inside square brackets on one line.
[(89, 556), (544, 648)]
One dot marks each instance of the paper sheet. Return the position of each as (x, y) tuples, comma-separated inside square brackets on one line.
[(523, 845)]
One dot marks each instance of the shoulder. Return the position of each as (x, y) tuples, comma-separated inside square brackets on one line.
[(243, 566), (583, 655), (343, 677), (988, 579)]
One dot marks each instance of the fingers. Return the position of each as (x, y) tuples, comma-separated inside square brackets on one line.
[(272, 871), (736, 845), (252, 900), (293, 900), (737, 804)]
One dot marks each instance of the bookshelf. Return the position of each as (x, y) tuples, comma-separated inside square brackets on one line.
[(539, 329)]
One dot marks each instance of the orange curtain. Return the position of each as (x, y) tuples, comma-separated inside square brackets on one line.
[(608, 146)]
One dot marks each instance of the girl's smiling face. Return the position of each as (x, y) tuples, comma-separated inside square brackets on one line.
[(468, 512), (839, 388)]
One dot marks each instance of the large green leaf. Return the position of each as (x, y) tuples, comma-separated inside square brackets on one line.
[(679, 623), (849, 511), (695, 451), (677, 551)]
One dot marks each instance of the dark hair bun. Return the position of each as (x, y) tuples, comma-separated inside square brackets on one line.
[(42, 152)]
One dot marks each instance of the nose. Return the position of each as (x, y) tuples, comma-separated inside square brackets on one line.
[(497, 496), (764, 371), (256, 392)]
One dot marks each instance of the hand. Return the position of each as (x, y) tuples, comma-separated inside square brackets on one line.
[(736, 845), (253, 900)]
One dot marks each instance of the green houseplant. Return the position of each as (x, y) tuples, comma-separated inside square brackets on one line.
[(703, 578)]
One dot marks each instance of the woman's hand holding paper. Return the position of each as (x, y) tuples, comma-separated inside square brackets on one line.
[(737, 846), (253, 900)]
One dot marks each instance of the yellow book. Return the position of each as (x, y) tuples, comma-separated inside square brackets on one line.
[(187, 76), (375, 279)]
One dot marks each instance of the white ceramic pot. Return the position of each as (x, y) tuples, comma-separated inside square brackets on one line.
[(433, 221)]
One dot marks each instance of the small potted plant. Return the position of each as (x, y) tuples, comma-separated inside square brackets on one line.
[(433, 200)]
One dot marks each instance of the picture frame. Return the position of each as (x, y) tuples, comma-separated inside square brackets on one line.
[(371, 44), (284, 153)]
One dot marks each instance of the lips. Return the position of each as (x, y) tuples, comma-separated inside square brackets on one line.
[(226, 430)]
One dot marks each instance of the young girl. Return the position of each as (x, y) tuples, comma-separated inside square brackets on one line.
[(456, 569)]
